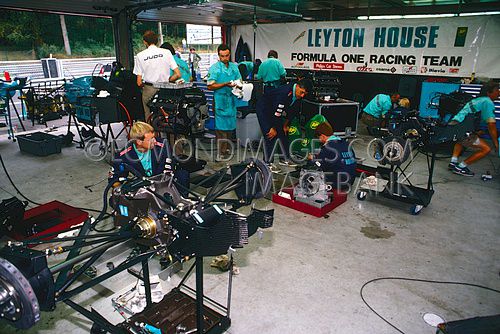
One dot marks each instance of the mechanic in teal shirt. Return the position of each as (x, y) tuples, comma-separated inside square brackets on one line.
[(271, 71), (376, 109), (181, 64), (485, 106), (220, 77)]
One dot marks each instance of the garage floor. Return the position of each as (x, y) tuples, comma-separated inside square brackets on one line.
[(305, 274)]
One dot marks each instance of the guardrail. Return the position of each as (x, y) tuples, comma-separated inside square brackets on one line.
[(77, 67)]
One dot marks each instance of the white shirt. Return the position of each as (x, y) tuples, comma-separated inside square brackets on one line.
[(154, 64)]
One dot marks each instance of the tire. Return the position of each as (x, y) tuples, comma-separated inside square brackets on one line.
[(25, 296)]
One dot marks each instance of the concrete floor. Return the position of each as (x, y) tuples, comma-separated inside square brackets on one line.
[(305, 274)]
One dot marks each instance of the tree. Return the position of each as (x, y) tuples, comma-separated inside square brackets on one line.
[(67, 47)]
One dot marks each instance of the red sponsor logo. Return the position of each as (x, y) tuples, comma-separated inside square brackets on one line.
[(329, 66), (454, 70), (409, 69), (364, 69), (300, 65)]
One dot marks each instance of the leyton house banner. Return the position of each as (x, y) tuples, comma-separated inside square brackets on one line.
[(458, 47)]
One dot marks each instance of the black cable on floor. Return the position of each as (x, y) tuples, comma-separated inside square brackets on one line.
[(26, 198), (413, 280), (13, 184)]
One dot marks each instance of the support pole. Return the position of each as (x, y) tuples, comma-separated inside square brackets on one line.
[(122, 24), (199, 294), (66, 267), (147, 283), (160, 33)]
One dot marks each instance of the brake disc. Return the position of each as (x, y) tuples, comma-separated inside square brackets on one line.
[(18, 302)]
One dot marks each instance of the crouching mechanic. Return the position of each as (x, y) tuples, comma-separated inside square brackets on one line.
[(336, 159), (275, 110), (147, 156), (374, 112), (484, 109)]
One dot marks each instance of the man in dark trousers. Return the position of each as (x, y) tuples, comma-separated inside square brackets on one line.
[(275, 110)]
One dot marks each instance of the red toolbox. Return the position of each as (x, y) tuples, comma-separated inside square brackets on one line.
[(337, 199), (47, 218)]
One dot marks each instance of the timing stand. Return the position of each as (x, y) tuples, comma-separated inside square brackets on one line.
[(73, 120), (8, 101)]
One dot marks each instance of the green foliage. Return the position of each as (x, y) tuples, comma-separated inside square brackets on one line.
[(22, 32), (172, 33), (18, 28), (45, 50)]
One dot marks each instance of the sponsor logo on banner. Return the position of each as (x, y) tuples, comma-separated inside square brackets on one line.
[(299, 36), (300, 65), (382, 69), (385, 69), (364, 69), (436, 70), (410, 69), (454, 70), (329, 66), (423, 70), (461, 36)]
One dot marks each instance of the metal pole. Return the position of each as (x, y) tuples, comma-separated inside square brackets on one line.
[(199, 294), (72, 255), (212, 190), (66, 265), (80, 271), (105, 276), (431, 171), (254, 28), (230, 285), (160, 33), (147, 283), (230, 184)]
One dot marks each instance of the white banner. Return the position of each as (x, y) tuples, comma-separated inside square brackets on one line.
[(201, 34), (455, 47)]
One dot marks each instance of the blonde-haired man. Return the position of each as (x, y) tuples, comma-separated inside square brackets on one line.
[(145, 155), (405, 103)]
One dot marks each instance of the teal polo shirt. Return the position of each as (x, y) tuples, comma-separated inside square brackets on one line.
[(379, 105), (271, 71), (145, 159), (482, 104)]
